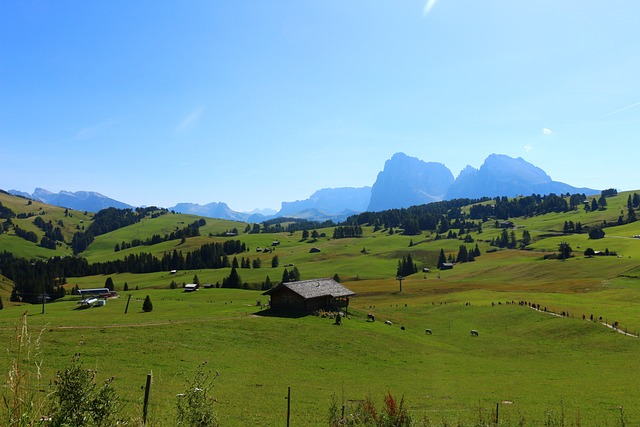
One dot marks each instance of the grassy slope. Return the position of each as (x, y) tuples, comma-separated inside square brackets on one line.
[(541, 362), (538, 361), (24, 249)]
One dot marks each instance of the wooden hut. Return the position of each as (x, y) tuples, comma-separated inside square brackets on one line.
[(309, 295)]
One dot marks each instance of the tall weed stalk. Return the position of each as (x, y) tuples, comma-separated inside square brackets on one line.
[(21, 404)]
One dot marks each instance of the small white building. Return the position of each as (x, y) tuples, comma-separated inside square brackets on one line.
[(191, 287)]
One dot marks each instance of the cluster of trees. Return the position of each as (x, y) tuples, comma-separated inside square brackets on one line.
[(211, 255), (48, 243), (505, 208), (26, 235), (314, 235), (285, 224), (406, 266), (508, 239), (571, 227), (235, 281), (467, 255), (345, 231), (246, 263), (32, 280), (53, 233), (292, 275), (435, 216), (191, 230), (596, 204), (464, 255), (5, 212), (596, 233), (565, 250)]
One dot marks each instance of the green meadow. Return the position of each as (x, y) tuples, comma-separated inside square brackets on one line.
[(544, 364), (553, 370)]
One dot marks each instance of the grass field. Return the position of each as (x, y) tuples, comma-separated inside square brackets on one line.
[(542, 363), (555, 370)]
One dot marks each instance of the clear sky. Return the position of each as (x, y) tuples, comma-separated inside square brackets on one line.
[(254, 102)]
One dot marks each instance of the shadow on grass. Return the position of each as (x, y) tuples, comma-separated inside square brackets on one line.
[(280, 313)]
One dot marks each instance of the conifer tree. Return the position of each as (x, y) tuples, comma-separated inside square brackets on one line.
[(631, 215), (147, 306), (476, 251), (14, 295), (233, 281), (266, 285), (294, 275), (463, 254), (441, 258), (285, 276)]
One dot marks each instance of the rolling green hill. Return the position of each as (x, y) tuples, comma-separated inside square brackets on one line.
[(558, 370)]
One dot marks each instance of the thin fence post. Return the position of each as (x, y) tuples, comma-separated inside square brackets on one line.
[(288, 404), (146, 400), (127, 307)]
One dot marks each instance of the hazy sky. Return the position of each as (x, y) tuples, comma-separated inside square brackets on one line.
[(257, 102)]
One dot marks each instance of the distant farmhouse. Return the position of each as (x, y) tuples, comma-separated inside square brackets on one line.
[(309, 295), (191, 287)]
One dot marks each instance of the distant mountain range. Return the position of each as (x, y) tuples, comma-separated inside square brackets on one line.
[(405, 181), (89, 201)]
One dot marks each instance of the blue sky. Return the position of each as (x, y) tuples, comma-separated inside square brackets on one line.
[(253, 103)]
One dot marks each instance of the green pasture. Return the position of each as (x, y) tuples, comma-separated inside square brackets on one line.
[(103, 247), (542, 363), (551, 367)]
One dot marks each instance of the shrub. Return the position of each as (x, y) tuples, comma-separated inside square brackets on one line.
[(76, 400), (195, 405)]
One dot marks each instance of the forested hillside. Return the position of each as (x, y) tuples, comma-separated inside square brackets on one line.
[(43, 245)]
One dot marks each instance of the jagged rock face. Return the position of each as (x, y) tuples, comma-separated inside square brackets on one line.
[(408, 181), (502, 175)]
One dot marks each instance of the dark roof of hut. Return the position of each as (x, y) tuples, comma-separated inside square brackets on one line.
[(315, 288)]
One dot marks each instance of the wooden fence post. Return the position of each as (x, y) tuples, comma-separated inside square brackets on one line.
[(288, 404), (127, 307), (146, 400)]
